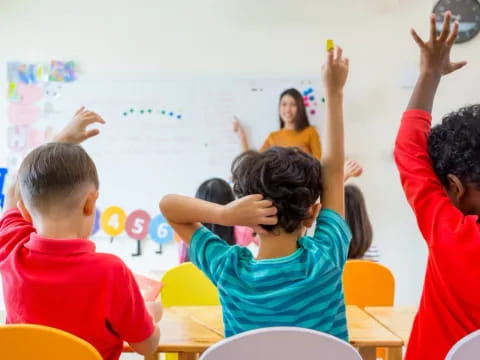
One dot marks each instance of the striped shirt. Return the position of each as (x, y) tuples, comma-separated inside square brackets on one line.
[(303, 289)]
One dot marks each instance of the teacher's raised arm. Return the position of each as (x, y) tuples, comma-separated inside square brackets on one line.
[(295, 129)]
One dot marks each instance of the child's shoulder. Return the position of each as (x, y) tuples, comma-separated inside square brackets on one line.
[(110, 263)]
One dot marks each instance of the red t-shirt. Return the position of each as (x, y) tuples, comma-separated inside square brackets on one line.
[(450, 306), (66, 285)]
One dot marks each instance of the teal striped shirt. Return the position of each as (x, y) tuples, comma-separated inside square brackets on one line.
[(303, 289)]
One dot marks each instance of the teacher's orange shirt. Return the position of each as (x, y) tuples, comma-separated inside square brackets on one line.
[(306, 140)]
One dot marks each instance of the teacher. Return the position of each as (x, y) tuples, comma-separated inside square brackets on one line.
[(295, 129)]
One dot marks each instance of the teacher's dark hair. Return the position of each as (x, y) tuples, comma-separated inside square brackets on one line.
[(301, 118)]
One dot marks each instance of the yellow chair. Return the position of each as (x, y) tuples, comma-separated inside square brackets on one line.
[(367, 283), (26, 342), (186, 285)]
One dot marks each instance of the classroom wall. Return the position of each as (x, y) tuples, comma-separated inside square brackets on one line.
[(269, 36)]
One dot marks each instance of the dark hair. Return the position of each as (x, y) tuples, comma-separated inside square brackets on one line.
[(301, 118), (356, 217), (454, 146), (220, 192), (51, 173), (287, 176)]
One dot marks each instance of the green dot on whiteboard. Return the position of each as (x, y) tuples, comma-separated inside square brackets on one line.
[(142, 111), (163, 112), (132, 110), (125, 113), (149, 111)]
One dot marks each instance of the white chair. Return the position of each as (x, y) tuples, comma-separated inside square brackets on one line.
[(467, 348), (281, 343)]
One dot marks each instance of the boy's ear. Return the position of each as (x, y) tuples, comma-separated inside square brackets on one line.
[(456, 189), (23, 210), (312, 214), (90, 202)]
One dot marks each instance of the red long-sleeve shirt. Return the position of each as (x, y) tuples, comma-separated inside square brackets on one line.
[(450, 303)]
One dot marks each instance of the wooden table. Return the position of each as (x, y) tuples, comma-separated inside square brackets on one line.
[(397, 319), (182, 335), (365, 333)]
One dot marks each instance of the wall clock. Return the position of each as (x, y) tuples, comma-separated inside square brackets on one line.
[(467, 12)]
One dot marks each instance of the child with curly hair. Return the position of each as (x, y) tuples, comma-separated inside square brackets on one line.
[(440, 173), (295, 280)]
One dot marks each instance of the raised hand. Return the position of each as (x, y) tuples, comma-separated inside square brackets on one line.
[(352, 169), (335, 71), (76, 132), (435, 53)]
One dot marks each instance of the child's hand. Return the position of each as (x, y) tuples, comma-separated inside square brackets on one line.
[(435, 53), (251, 210), (76, 130), (155, 309), (352, 169), (335, 71)]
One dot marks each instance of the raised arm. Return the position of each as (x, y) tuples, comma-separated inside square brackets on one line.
[(434, 211), (75, 132), (435, 62), (335, 72), (185, 214)]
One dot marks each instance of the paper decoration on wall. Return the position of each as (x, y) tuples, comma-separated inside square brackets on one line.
[(62, 71), (112, 221), (3, 174), (17, 137), (96, 223), (136, 227), (18, 72), (160, 231)]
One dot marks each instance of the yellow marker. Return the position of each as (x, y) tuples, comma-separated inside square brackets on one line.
[(330, 45)]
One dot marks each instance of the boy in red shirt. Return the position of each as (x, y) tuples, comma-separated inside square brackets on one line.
[(51, 275), (440, 173)]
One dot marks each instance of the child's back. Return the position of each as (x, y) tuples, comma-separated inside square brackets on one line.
[(295, 280), (304, 287), (51, 274)]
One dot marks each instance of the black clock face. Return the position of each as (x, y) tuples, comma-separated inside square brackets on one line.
[(467, 12)]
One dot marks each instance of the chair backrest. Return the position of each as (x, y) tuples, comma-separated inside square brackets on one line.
[(186, 285), (27, 341), (367, 283), (467, 348), (281, 343)]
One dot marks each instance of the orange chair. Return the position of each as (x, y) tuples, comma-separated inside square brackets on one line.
[(26, 342), (367, 283)]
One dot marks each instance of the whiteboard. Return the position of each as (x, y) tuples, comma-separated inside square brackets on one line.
[(167, 135)]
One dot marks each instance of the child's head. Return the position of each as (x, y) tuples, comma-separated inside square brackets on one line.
[(288, 177), (59, 183), (292, 110), (454, 147), (357, 218), (220, 192)]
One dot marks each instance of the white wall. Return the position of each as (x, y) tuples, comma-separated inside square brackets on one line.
[(269, 36)]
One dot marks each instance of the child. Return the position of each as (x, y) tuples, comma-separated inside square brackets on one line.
[(220, 192), (51, 275), (295, 129), (295, 280), (440, 174), (356, 215)]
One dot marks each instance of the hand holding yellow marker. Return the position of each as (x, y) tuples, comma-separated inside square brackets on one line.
[(330, 45)]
